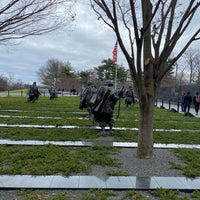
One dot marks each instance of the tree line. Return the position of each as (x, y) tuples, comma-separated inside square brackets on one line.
[(62, 74)]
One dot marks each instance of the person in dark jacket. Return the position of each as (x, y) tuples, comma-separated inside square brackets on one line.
[(196, 102), (187, 102), (182, 102)]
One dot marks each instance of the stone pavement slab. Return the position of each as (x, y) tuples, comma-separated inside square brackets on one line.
[(100, 143), (104, 182), (88, 127)]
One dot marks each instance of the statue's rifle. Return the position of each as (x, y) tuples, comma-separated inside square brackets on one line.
[(119, 104)]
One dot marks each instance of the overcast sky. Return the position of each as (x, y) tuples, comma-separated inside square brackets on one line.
[(84, 44)]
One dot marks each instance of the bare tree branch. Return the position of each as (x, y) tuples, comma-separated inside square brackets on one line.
[(153, 22), (21, 18), (182, 27)]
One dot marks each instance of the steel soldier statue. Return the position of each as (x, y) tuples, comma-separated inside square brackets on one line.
[(33, 93), (53, 93), (129, 97), (86, 96), (103, 106)]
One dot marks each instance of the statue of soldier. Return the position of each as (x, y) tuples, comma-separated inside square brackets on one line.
[(33, 93), (129, 97), (102, 109), (86, 96), (52, 92)]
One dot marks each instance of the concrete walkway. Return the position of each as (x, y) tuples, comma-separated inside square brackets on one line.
[(104, 182), (97, 143), (178, 109), (87, 127)]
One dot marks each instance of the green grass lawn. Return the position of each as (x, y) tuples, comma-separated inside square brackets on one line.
[(65, 161), (64, 111), (99, 194)]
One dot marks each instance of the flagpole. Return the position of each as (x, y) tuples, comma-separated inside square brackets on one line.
[(116, 76), (115, 60)]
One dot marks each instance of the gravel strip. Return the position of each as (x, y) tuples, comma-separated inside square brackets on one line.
[(157, 166)]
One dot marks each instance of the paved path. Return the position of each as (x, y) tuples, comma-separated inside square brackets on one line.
[(104, 182), (170, 106), (98, 143), (87, 127)]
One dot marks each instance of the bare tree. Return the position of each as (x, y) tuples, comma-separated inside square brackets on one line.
[(192, 62), (58, 73), (21, 18), (154, 29), (180, 72), (4, 83)]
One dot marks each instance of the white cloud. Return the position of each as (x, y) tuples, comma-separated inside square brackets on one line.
[(85, 45)]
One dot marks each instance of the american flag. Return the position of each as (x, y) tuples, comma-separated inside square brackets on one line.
[(114, 52)]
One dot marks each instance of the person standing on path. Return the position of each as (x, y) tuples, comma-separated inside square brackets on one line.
[(182, 102), (187, 102), (196, 102)]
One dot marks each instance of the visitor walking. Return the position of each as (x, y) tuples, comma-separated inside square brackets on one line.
[(182, 102), (196, 102), (187, 102)]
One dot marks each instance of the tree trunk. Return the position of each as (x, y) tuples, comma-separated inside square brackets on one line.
[(145, 136), (147, 95)]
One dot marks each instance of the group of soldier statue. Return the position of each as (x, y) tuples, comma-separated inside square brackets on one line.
[(100, 103), (129, 97), (52, 92), (33, 93)]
